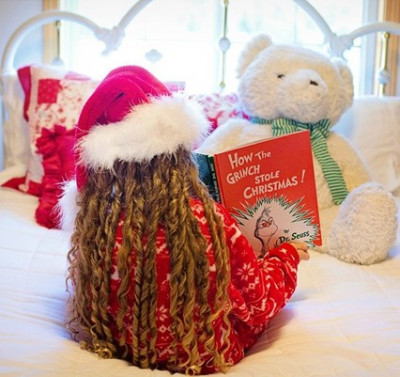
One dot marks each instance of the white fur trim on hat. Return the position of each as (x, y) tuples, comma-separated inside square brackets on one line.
[(67, 206), (149, 129)]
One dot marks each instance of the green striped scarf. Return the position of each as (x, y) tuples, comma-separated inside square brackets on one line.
[(318, 133)]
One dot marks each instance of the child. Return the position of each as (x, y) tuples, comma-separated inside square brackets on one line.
[(161, 274)]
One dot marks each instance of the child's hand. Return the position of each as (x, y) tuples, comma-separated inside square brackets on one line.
[(302, 249)]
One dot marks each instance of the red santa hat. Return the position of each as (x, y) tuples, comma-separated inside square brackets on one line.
[(132, 116)]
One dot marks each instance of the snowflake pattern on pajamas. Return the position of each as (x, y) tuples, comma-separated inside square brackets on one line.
[(259, 288)]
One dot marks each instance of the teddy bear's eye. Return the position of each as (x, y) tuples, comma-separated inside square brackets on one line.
[(280, 75)]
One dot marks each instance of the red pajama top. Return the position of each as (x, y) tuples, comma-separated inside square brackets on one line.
[(259, 288)]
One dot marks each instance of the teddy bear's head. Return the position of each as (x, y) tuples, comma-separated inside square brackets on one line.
[(284, 81)]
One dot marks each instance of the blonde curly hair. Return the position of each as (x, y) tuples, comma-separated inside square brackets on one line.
[(146, 196)]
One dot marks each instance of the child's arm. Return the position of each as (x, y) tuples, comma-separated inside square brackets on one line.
[(279, 271), (261, 287), (302, 249)]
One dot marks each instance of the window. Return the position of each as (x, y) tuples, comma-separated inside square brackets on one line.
[(180, 43)]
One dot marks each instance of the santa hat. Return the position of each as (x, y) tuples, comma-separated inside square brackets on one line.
[(132, 116)]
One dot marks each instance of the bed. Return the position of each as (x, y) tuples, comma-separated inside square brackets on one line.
[(343, 320)]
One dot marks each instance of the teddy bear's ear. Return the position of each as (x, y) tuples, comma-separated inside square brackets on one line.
[(347, 78), (251, 50)]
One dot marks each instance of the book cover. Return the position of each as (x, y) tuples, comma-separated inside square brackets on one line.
[(269, 188)]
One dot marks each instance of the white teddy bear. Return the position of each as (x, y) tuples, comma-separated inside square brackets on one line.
[(285, 88)]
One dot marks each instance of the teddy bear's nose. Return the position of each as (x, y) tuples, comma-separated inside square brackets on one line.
[(312, 82)]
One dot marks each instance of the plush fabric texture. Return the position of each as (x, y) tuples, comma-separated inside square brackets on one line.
[(148, 130), (283, 81), (369, 209), (67, 207), (280, 81)]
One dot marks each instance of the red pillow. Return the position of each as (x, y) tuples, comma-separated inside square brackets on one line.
[(24, 76), (56, 148), (52, 97)]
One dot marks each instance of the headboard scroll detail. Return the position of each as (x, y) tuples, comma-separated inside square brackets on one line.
[(112, 37)]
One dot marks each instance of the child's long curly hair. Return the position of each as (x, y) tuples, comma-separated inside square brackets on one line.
[(146, 195)]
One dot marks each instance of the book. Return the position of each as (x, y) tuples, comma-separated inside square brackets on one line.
[(269, 188)]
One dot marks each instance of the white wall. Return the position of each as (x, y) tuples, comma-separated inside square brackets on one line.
[(12, 14)]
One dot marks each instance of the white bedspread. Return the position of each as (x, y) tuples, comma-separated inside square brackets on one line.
[(344, 320)]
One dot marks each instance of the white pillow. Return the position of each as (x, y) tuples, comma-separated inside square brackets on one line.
[(372, 124), (15, 128)]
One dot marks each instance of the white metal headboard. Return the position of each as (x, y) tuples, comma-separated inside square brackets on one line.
[(337, 44), (111, 37)]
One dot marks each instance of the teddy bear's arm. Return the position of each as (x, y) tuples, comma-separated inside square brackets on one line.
[(354, 168)]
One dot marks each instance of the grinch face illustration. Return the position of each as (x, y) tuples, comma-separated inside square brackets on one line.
[(265, 229)]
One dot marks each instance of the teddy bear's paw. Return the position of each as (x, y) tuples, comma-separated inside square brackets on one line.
[(366, 226), (320, 249)]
